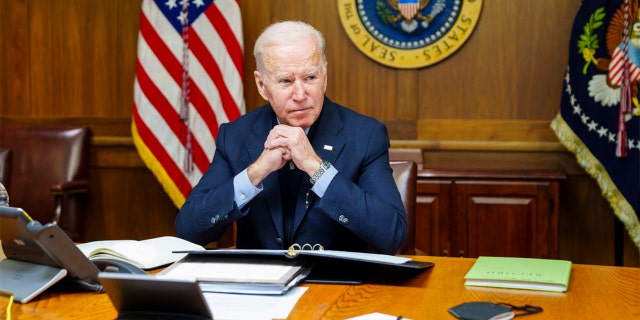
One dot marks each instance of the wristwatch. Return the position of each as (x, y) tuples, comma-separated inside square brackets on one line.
[(324, 166)]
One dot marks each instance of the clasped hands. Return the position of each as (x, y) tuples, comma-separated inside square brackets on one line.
[(284, 143)]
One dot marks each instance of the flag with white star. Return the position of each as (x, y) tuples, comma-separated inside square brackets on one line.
[(189, 80), (599, 118)]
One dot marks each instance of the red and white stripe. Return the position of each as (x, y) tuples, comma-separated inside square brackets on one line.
[(616, 68), (215, 91), (409, 8)]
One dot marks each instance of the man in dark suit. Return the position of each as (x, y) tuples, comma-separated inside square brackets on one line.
[(300, 169)]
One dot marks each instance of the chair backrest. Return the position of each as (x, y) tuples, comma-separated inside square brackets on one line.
[(405, 174), (402, 154), (5, 166), (45, 157)]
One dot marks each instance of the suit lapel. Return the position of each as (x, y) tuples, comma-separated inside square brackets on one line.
[(271, 184)]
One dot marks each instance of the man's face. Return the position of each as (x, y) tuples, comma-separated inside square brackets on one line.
[(293, 82)]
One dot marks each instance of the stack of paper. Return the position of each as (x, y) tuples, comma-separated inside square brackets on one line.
[(247, 275)]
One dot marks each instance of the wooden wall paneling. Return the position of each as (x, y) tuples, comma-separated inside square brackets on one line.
[(128, 203), (586, 222), (102, 129), (4, 29), (486, 130), (100, 36), (510, 68), (630, 254), (52, 59), (82, 61), (14, 53)]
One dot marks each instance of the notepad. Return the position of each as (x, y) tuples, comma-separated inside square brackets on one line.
[(520, 273), (144, 254)]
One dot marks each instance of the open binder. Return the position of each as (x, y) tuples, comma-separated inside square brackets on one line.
[(327, 266)]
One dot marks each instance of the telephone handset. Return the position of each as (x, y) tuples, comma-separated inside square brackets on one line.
[(112, 265)]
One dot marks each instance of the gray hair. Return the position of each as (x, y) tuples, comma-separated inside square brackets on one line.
[(287, 32)]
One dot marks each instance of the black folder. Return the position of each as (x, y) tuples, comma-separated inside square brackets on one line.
[(329, 266)]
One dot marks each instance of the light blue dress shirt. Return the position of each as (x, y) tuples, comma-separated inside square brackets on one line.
[(245, 190)]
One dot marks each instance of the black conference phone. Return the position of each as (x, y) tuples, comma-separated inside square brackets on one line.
[(49, 244)]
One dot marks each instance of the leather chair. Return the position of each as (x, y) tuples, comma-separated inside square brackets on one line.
[(49, 175), (5, 167), (405, 174)]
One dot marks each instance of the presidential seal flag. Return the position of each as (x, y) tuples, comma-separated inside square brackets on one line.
[(189, 80), (599, 118)]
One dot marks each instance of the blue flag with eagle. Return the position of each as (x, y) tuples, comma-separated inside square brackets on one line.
[(599, 118)]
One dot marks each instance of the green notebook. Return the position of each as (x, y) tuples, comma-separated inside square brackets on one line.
[(520, 273)]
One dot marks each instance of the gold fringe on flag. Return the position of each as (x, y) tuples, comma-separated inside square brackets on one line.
[(621, 207)]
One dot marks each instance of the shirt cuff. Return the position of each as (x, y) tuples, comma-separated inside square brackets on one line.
[(244, 189), (320, 187)]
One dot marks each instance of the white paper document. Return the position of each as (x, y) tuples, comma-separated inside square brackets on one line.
[(378, 316), (227, 306)]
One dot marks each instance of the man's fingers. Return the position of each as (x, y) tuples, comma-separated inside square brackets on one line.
[(286, 155)]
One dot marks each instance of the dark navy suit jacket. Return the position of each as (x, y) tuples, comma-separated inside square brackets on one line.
[(360, 211)]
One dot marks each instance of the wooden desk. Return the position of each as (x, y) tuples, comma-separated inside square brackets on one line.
[(595, 292)]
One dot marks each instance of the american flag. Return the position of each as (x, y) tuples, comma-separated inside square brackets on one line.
[(189, 80)]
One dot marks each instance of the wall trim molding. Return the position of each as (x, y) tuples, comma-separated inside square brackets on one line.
[(534, 146), (112, 141)]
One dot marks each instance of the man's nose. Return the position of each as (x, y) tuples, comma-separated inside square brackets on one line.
[(299, 90)]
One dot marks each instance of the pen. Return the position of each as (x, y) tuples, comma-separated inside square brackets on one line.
[(399, 318)]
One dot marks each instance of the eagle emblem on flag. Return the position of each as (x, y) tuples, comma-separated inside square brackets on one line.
[(599, 118)]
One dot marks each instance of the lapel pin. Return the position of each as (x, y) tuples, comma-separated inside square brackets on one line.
[(327, 147)]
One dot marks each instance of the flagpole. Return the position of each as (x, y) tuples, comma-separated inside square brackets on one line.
[(185, 94)]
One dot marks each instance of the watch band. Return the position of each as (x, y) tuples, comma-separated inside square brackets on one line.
[(324, 166)]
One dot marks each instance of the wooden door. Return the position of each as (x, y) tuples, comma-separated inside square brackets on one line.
[(505, 218)]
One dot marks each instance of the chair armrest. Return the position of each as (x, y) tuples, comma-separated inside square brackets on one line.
[(75, 186)]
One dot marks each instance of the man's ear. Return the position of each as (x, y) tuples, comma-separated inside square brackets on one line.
[(260, 85)]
